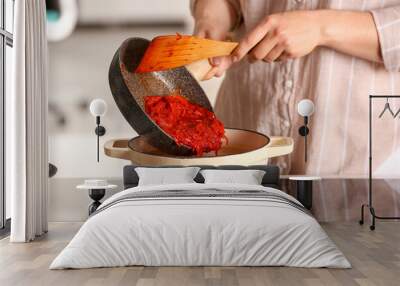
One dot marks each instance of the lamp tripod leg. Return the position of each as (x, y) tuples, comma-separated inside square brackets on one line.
[(372, 226)]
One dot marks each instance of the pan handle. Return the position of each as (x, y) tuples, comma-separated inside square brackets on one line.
[(117, 148), (279, 146)]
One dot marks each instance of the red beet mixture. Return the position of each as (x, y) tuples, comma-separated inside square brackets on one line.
[(188, 123)]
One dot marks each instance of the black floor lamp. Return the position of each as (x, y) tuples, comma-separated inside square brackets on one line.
[(370, 201)]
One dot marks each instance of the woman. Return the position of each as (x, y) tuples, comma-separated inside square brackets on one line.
[(334, 52)]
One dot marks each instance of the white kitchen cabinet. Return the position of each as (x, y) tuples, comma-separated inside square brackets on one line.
[(134, 11)]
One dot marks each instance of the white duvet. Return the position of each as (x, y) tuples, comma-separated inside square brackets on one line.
[(200, 231)]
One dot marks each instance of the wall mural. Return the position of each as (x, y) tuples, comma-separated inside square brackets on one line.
[(254, 97), (258, 97)]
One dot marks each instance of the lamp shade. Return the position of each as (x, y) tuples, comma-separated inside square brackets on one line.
[(305, 107), (98, 107)]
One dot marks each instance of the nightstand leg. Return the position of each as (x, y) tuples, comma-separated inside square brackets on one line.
[(96, 195), (93, 207), (304, 193)]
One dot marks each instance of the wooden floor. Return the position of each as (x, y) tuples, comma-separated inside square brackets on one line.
[(375, 257)]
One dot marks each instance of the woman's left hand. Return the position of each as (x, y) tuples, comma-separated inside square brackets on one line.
[(282, 36)]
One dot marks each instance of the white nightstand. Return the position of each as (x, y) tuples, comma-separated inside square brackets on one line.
[(97, 190)]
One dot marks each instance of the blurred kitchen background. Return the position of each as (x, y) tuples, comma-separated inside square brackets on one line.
[(83, 37)]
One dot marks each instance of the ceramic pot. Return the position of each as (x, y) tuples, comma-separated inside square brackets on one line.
[(243, 148)]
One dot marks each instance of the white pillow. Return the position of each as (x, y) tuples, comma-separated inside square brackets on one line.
[(164, 176), (247, 177)]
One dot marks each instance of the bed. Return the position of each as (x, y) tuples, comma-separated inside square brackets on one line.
[(201, 224)]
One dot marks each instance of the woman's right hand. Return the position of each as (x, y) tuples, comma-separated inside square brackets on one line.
[(213, 20)]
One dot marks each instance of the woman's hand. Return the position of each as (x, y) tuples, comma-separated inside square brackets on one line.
[(281, 36), (213, 20), (218, 64), (295, 34), (277, 37)]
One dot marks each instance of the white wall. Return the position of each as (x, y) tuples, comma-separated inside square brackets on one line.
[(66, 203)]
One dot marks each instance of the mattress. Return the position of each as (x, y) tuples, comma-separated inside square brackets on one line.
[(201, 225)]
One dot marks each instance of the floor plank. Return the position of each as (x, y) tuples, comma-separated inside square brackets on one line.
[(375, 257)]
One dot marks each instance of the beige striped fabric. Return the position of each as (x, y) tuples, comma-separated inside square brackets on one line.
[(263, 97)]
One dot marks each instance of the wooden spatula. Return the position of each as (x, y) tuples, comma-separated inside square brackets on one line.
[(167, 52)]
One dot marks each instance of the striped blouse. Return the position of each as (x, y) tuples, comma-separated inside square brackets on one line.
[(264, 97)]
